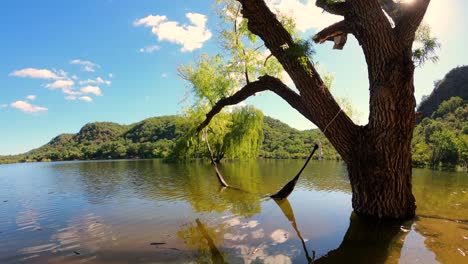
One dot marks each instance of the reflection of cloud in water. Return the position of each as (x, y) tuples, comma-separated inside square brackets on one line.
[(278, 259), (233, 221), (232, 237), (29, 219), (414, 250), (279, 235), (257, 234), (254, 255), (250, 224), (88, 233)]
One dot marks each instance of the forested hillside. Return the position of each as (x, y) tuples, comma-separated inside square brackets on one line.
[(455, 83), (156, 138), (442, 139)]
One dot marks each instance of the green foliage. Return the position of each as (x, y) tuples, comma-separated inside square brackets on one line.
[(448, 106), (245, 136), (284, 142), (426, 46), (441, 140)]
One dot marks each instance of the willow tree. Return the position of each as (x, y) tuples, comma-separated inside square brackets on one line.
[(378, 155), (236, 133)]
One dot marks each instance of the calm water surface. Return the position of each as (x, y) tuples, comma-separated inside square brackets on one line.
[(151, 212)]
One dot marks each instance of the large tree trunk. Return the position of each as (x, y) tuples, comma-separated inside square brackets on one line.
[(380, 166), (378, 155)]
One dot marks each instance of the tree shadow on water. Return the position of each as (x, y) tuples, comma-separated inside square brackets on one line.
[(369, 241), (366, 241)]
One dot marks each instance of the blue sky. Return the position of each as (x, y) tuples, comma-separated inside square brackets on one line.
[(67, 63)]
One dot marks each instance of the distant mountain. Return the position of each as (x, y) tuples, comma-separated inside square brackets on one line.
[(455, 83), (157, 136)]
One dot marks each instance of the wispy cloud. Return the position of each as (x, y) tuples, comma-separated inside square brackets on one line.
[(98, 80), (86, 98), (39, 74), (164, 75), (27, 107), (149, 49), (190, 37), (60, 84), (91, 90), (3, 105), (86, 66), (72, 87)]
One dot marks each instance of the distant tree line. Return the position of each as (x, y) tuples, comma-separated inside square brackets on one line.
[(440, 140), (166, 137)]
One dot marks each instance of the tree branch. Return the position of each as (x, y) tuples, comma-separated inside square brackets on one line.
[(320, 106), (331, 33), (263, 83), (335, 8), (412, 15)]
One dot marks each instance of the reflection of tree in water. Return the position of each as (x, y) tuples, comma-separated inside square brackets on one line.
[(368, 241), (196, 184), (287, 210), (204, 240)]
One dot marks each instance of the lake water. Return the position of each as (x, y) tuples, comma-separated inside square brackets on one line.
[(151, 212)]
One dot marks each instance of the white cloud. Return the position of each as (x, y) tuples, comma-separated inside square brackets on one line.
[(70, 91), (190, 37), (3, 106), (86, 98), (27, 107), (31, 97), (98, 80), (39, 74), (86, 66), (150, 21), (149, 49), (306, 15), (91, 89), (71, 97), (111, 75), (60, 84), (164, 75)]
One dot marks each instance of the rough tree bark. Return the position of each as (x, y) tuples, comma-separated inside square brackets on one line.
[(378, 155)]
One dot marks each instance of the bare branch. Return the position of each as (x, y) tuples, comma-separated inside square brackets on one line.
[(336, 32), (335, 8), (264, 83), (412, 15)]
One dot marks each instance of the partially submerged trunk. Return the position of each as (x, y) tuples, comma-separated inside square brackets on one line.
[(380, 166), (378, 155)]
